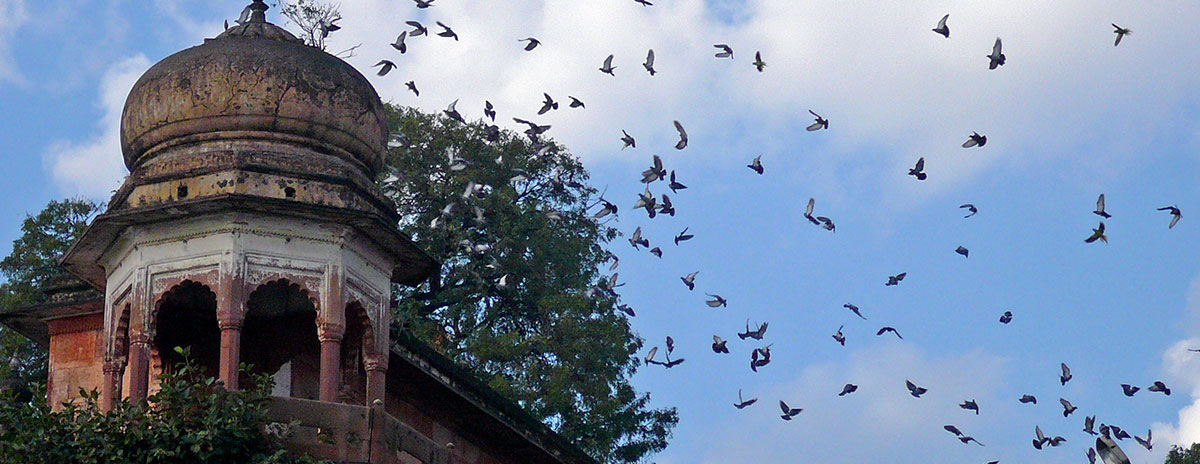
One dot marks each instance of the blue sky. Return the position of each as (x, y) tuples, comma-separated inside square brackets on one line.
[(1069, 117)]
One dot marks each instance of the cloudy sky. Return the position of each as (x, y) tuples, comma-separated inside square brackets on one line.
[(1069, 116)]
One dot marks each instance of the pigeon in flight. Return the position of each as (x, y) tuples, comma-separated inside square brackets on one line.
[(838, 337), (725, 52), (673, 185), (965, 439), (423, 4), (918, 171), (1006, 317), (741, 404), (1120, 32), (1175, 215), (1068, 408), (655, 172), (608, 68), (758, 62), (1091, 455), (848, 389), (637, 239), (1129, 390), (533, 43), (889, 329), (399, 43), (827, 223), (656, 251), (970, 208), (718, 345), (895, 280), (942, 28), (534, 129), (1066, 374), (649, 64), (489, 110), (808, 212), (1097, 234), (1146, 442), (1040, 438), (717, 301), (914, 390), (760, 357), (963, 251), (690, 280), (953, 429), (453, 113), (1100, 208), (644, 3), (626, 309), (854, 309), (646, 200), (970, 405), (412, 85), (418, 29), (1026, 399), (996, 58), (819, 123), (756, 165), (627, 140), (683, 137), (547, 104), (1118, 433), (446, 31), (387, 66), (975, 140), (575, 102), (683, 236), (1089, 424), (788, 413), (755, 334), (1159, 387)]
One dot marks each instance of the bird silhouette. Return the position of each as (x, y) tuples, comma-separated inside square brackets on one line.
[(1066, 374), (726, 51), (1006, 317), (788, 412), (1121, 32), (997, 58), (446, 31), (386, 66), (971, 209), (914, 390), (758, 62), (756, 165), (848, 389), (918, 171), (1097, 234), (942, 28), (412, 85), (975, 140), (1068, 408), (895, 280), (741, 404), (1100, 208), (649, 64), (1159, 387), (838, 337), (718, 345), (532, 43), (1175, 215), (889, 329), (716, 302), (970, 405), (818, 124), (399, 43), (683, 136), (854, 309), (607, 67)]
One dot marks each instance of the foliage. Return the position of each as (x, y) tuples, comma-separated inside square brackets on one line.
[(519, 297), (313, 17), (34, 259), (1179, 455), (191, 419)]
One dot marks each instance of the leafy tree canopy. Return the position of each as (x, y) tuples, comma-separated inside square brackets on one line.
[(1179, 455)]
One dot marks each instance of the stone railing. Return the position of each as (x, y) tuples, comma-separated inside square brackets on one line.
[(347, 433)]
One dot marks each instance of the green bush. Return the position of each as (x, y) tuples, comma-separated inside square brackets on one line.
[(191, 419)]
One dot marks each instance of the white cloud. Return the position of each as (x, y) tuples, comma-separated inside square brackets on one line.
[(1182, 371), (12, 17), (95, 167)]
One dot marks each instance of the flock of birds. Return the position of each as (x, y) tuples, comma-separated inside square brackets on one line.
[(1105, 448)]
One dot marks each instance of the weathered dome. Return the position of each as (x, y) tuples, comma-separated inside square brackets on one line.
[(255, 81)]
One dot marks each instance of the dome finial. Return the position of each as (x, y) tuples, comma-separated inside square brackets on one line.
[(259, 11)]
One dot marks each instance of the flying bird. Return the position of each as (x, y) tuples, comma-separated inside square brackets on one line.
[(717, 301), (838, 337), (755, 334), (741, 404), (412, 85), (607, 67), (649, 64), (1120, 32), (996, 58), (534, 129), (627, 140), (399, 43), (788, 413), (970, 405), (718, 345), (758, 62), (975, 140), (1159, 387), (808, 212), (1068, 408), (489, 110), (422, 4), (1129, 390), (1026, 399), (690, 280), (673, 185), (1066, 374), (942, 28), (575, 102), (819, 123), (963, 251), (446, 31), (725, 52), (418, 29), (854, 309), (1006, 317), (656, 251), (1089, 424), (547, 104), (453, 113), (655, 172), (914, 390), (889, 329), (1039, 437), (895, 280), (970, 208), (953, 429), (756, 165), (918, 171), (1100, 208), (1146, 442), (644, 3), (848, 389), (683, 137), (637, 239), (1175, 215), (683, 236), (533, 43), (387, 66), (965, 439), (1097, 234)]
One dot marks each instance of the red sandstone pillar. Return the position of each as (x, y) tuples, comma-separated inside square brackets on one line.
[(376, 379), (331, 360), (110, 390), (231, 346), (139, 366)]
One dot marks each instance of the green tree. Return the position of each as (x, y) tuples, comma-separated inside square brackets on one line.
[(34, 260), (520, 297), (1179, 455), (191, 419)]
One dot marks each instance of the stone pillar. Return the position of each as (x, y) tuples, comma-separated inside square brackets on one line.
[(376, 368), (110, 389), (231, 350), (139, 365), (331, 360)]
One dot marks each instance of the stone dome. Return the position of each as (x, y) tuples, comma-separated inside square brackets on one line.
[(255, 81)]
